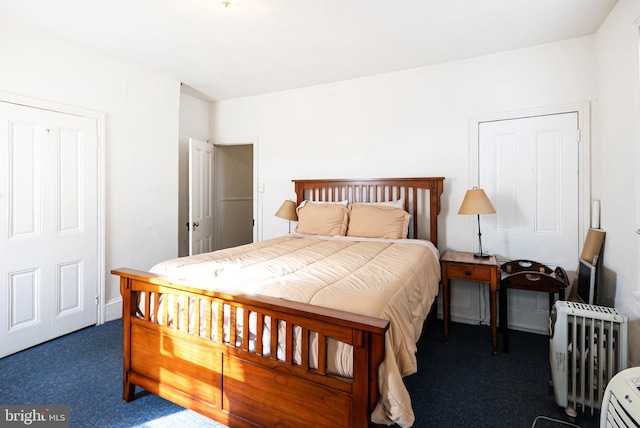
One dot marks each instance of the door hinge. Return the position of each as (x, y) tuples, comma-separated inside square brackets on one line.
[(97, 300), (578, 135)]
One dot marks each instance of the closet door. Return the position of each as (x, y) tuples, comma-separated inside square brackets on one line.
[(48, 225), (529, 169)]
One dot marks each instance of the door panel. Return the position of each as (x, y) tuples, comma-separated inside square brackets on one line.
[(21, 160), (529, 169), (23, 300), (200, 197), (70, 290), (49, 253)]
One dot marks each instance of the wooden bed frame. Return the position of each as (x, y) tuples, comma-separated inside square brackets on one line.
[(235, 385)]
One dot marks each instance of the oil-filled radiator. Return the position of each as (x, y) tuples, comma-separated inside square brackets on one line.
[(588, 347)]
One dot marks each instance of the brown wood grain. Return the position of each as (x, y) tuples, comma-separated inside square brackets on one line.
[(237, 386)]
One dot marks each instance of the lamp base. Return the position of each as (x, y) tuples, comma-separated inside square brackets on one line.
[(481, 255)]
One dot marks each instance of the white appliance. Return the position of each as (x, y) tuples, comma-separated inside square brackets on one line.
[(621, 403), (587, 348)]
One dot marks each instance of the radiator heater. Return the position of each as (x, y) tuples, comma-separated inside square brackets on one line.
[(587, 348)]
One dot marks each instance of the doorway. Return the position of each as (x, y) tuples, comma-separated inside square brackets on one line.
[(233, 200), (221, 197)]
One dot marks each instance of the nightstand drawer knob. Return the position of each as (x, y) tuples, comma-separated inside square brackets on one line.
[(468, 272)]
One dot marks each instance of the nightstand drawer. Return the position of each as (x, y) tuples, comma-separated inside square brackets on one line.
[(473, 273)]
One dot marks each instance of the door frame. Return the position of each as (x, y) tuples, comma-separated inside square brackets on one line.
[(584, 153), (257, 205), (100, 191)]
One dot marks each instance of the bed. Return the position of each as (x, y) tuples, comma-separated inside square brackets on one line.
[(232, 341)]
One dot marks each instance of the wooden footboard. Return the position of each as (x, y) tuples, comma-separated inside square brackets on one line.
[(229, 377)]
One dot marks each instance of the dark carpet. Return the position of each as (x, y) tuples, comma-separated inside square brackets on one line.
[(459, 385), (464, 385)]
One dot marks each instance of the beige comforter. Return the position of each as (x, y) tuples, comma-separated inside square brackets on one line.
[(395, 280)]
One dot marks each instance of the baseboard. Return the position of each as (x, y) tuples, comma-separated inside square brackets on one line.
[(526, 329), (113, 310), (529, 329)]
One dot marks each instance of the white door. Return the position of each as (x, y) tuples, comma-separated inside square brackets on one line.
[(48, 225), (529, 169), (200, 224)]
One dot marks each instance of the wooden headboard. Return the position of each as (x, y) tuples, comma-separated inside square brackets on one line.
[(381, 190)]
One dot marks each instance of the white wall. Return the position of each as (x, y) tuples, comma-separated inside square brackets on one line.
[(616, 149), (409, 123), (194, 123), (416, 122), (141, 154)]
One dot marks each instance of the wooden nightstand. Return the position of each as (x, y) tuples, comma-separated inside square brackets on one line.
[(463, 266)]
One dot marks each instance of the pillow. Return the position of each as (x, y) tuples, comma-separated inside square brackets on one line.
[(398, 203), (377, 221), (328, 219), (345, 202)]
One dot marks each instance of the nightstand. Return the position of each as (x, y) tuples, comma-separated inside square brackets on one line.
[(464, 266)]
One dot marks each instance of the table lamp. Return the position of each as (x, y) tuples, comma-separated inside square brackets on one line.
[(287, 211), (476, 202)]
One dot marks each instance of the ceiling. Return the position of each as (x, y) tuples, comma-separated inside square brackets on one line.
[(259, 46)]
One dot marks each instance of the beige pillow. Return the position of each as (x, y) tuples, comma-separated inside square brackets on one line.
[(377, 221), (322, 219), (398, 203)]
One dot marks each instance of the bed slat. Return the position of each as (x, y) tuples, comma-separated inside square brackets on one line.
[(196, 322), (288, 352), (220, 326), (156, 305), (233, 326), (274, 339), (259, 333), (322, 353), (147, 304)]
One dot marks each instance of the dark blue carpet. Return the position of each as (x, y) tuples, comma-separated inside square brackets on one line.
[(464, 385), (459, 385), (84, 371)]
